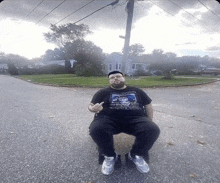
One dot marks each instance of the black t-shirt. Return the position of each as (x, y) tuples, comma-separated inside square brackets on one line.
[(119, 103)]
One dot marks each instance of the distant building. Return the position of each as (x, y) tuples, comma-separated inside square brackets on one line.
[(3, 68), (114, 62), (55, 62), (209, 70)]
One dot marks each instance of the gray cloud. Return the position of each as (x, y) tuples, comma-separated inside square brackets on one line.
[(174, 6), (108, 17), (187, 43), (208, 21), (112, 17), (213, 48)]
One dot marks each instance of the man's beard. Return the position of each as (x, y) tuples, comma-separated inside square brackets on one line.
[(118, 85)]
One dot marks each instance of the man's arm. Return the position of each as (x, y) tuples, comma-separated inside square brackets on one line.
[(149, 110), (96, 108)]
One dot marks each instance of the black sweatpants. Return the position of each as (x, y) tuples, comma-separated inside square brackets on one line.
[(104, 127)]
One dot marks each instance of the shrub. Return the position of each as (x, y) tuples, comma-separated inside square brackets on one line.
[(49, 69), (140, 72), (12, 69), (168, 76), (82, 70)]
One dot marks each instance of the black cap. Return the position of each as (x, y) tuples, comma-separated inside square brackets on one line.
[(115, 72)]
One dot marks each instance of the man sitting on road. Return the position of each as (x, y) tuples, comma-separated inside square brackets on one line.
[(120, 108)]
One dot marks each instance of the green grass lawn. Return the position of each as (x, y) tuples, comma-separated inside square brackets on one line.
[(147, 81)]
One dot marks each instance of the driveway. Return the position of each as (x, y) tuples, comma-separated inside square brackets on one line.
[(44, 136)]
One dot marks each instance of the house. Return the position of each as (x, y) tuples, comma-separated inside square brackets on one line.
[(3, 68), (207, 70), (114, 62), (55, 62), (211, 71)]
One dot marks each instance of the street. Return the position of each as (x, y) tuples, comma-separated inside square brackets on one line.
[(44, 136)]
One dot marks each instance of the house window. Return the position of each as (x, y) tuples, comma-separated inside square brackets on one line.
[(133, 66), (118, 67), (109, 67), (136, 66)]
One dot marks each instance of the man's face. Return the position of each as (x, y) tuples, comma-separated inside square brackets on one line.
[(117, 80)]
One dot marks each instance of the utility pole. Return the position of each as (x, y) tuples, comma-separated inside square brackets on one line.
[(130, 9)]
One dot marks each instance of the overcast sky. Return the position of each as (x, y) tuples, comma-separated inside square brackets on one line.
[(184, 27)]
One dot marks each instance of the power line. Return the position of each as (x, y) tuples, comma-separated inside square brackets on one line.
[(35, 8), (169, 13), (74, 12), (51, 11), (113, 3), (209, 9), (99, 13), (190, 14), (30, 13), (161, 8)]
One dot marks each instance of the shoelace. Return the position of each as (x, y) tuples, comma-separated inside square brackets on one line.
[(109, 160)]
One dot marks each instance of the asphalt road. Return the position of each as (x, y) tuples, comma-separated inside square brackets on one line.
[(44, 136)]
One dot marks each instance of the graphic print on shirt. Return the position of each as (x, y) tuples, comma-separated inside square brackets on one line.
[(124, 101)]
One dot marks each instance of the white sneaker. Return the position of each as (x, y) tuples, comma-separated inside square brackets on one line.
[(140, 163), (108, 165)]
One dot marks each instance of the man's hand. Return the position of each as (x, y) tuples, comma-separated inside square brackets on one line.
[(95, 107)]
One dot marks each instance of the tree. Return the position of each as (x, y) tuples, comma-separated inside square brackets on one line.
[(170, 56), (158, 55), (186, 64), (163, 63), (145, 58), (17, 60), (158, 59), (70, 40), (140, 71), (2, 57), (135, 50), (55, 54), (89, 59), (67, 33), (12, 69), (64, 35), (80, 46)]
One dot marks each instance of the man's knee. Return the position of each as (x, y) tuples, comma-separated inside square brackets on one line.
[(156, 131), (151, 130), (95, 128), (99, 129)]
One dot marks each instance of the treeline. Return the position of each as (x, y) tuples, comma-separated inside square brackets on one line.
[(156, 61), (71, 44), (165, 62)]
